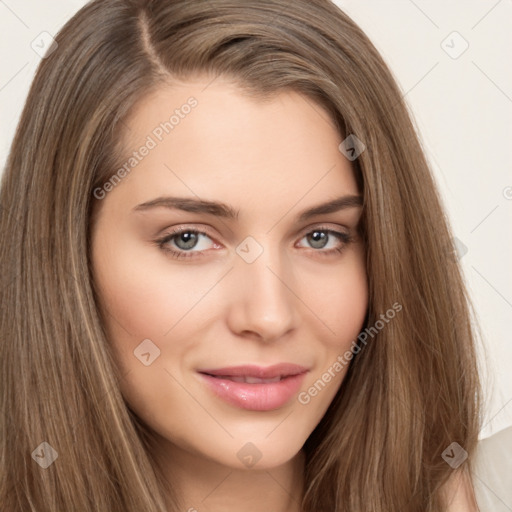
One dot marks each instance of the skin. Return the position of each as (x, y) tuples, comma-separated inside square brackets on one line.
[(459, 493), (295, 303)]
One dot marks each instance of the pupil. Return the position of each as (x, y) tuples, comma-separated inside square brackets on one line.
[(189, 240), (318, 239)]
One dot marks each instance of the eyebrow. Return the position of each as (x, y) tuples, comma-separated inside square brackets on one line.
[(225, 211)]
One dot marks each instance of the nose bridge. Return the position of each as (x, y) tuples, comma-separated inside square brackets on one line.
[(264, 302)]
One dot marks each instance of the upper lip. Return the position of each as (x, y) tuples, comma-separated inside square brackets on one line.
[(260, 372)]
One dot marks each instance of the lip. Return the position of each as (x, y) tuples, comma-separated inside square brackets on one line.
[(260, 372), (258, 396)]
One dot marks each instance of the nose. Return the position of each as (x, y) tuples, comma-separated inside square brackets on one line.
[(262, 303)]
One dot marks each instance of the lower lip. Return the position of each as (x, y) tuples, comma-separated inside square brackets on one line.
[(255, 397)]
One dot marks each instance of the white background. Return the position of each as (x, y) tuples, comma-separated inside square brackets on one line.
[(463, 110)]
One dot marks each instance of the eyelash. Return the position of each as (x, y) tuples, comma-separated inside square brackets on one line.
[(182, 254)]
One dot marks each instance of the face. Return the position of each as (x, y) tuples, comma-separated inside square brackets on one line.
[(229, 293)]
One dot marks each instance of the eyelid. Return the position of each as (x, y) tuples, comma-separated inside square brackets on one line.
[(181, 228), (325, 226)]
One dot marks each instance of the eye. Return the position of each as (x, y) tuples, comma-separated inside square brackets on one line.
[(187, 239), (186, 243), (193, 243), (327, 241)]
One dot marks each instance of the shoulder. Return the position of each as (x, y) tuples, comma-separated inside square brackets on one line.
[(492, 472), (459, 493), (488, 489)]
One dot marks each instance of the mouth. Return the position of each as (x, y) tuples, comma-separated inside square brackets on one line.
[(271, 373), (247, 379), (255, 388)]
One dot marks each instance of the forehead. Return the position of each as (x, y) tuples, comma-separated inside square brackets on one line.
[(209, 139)]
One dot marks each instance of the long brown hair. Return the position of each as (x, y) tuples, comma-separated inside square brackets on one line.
[(408, 394)]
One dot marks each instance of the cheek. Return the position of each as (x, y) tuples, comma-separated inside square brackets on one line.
[(141, 292), (340, 305), (353, 303), (338, 297)]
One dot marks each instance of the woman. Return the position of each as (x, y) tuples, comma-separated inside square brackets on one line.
[(229, 282)]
